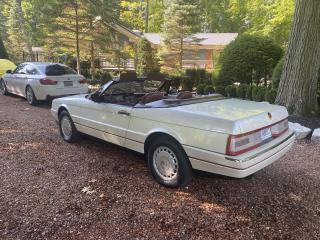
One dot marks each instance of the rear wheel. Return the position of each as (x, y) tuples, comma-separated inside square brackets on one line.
[(3, 88), (168, 163), (68, 131), (31, 98)]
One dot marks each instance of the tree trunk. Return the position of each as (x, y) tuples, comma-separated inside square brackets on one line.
[(77, 37), (22, 26), (298, 85)]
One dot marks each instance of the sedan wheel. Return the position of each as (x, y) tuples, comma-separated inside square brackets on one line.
[(30, 96), (165, 163), (68, 131), (168, 162), (3, 88)]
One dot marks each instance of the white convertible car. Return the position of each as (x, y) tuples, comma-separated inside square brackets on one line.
[(178, 132), (41, 81)]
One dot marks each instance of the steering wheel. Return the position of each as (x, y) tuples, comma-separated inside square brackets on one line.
[(117, 90)]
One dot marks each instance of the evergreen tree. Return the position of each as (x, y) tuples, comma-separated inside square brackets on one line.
[(180, 21), (3, 52), (145, 57)]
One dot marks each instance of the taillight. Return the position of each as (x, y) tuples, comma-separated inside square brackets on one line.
[(83, 81), (238, 144), (47, 81)]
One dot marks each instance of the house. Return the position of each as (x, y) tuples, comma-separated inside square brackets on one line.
[(205, 51)]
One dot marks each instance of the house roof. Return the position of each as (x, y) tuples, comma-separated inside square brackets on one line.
[(204, 38)]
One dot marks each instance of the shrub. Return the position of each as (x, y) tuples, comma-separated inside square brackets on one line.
[(231, 91), (270, 95), (103, 76), (209, 89), (242, 90), (146, 61), (277, 74), (258, 93), (187, 83), (249, 92), (220, 89), (201, 88), (246, 55)]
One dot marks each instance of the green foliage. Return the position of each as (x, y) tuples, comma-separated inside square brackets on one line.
[(249, 92), (209, 89), (201, 88), (242, 90), (145, 57), (181, 19), (248, 59), (220, 89), (277, 72), (199, 76), (258, 93), (187, 83), (103, 76), (231, 91), (270, 95), (3, 51)]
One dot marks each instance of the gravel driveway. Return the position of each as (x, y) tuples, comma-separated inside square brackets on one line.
[(94, 190)]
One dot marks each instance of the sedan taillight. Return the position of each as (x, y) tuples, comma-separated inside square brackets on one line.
[(47, 81), (83, 81), (238, 144)]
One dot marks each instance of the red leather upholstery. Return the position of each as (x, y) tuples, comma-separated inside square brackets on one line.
[(184, 95), (151, 97)]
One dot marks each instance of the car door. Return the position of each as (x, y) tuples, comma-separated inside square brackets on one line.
[(10, 79), (21, 79)]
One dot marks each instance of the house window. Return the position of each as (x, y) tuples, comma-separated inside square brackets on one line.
[(202, 54)]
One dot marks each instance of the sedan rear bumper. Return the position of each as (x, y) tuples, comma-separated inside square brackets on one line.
[(242, 166), (50, 92)]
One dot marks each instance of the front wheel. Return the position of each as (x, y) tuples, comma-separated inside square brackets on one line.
[(68, 131), (31, 98), (3, 87), (168, 163)]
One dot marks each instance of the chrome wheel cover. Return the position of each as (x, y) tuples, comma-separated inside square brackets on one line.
[(165, 163), (29, 95), (66, 127)]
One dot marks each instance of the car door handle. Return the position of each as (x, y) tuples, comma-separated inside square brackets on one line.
[(122, 112)]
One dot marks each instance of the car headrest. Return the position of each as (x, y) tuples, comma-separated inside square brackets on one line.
[(151, 97), (184, 95)]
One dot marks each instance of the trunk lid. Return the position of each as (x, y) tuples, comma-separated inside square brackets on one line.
[(242, 116), (67, 81)]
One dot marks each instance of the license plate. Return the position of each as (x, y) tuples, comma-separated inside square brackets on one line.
[(265, 134), (68, 83)]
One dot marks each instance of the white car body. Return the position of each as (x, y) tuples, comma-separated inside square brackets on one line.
[(30, 74), (202, 129)]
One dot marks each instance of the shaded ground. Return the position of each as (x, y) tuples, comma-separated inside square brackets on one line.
[(94, 190)]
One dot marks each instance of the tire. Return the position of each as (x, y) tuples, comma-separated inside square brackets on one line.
[(3, 88), (31, 98), (68, 131), (168, 163)]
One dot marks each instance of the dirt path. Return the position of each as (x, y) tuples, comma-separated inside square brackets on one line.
[(94, 190)]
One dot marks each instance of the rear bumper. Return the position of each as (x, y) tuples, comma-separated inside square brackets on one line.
[(50, 92), (244, 165)]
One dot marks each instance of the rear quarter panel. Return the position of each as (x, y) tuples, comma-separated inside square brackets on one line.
[(187, 129)]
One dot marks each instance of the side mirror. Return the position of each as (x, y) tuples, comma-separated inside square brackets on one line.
[(9, 71)]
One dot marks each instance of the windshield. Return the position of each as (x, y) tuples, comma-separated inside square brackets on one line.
[(56, 70)]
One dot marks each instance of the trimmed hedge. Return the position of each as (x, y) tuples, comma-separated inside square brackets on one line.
[(200, 89), (276, 76), (209, 89), (249, 92), (270, 95), (220, 89), (242, 91), (231, 91)]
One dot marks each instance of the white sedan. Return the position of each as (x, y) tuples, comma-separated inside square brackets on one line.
[(41, 81), (180, 132)]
